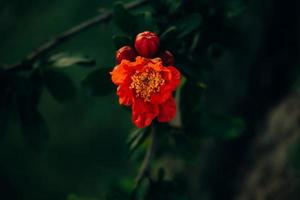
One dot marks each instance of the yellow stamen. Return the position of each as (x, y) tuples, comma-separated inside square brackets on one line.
[(145, 83)]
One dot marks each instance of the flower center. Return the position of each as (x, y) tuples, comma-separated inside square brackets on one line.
[(145, 83)]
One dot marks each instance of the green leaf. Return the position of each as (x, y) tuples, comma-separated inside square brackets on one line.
[(236, 127), (189, 24), (222, 126), (121, 40), (145, 22), (166, 6), (169, 33), (174, 5), (124, 19), (67, 60), (59, 85), (236, 9), (134, 134), (98, 82), (138, 137), (195, 42)]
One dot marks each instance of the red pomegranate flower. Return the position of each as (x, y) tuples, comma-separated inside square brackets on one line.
[(166, 57), (147, 44), (125, 52), (146, 85)]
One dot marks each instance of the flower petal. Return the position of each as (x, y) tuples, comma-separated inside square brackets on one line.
[(164, 94), (167, 110), (143, 113), (125, 95), (172, 76), (118, 75)]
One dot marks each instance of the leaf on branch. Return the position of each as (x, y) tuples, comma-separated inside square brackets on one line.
[(137, 138), (189, 24), (59, 85), (67, 60), (98, 82)]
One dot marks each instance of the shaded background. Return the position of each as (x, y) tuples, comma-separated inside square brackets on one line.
[(86, 152)]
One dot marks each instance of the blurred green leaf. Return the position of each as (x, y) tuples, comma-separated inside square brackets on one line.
[(189, 24), (237, 126), (166, 6), (121, 40), (169, 34), (138, 137), (117, 193), (98, 82), (222, 126), (59, 85), (174, 5), (235, 9), (145, 22), (124, 19), (67, 60), (195, 42), (133, 135)]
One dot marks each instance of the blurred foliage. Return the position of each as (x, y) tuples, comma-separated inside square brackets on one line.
[(63, 134)]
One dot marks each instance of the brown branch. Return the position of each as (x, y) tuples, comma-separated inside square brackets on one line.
[(63, 37)]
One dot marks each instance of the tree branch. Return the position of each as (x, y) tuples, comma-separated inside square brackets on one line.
[(63, 37)]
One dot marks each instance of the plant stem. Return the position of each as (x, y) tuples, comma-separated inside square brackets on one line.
[(66, 35), (146, 165)]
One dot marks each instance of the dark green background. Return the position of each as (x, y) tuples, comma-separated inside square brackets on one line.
[(86, 152), (86, 147)]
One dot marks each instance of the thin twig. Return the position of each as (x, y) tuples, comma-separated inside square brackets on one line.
[(146, 166), (63, 37)]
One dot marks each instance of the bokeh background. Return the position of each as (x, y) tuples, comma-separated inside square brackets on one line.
[(86, 155)]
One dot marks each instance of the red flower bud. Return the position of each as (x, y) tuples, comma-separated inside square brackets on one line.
[(146, 44), (125, 52), (167, 58)]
